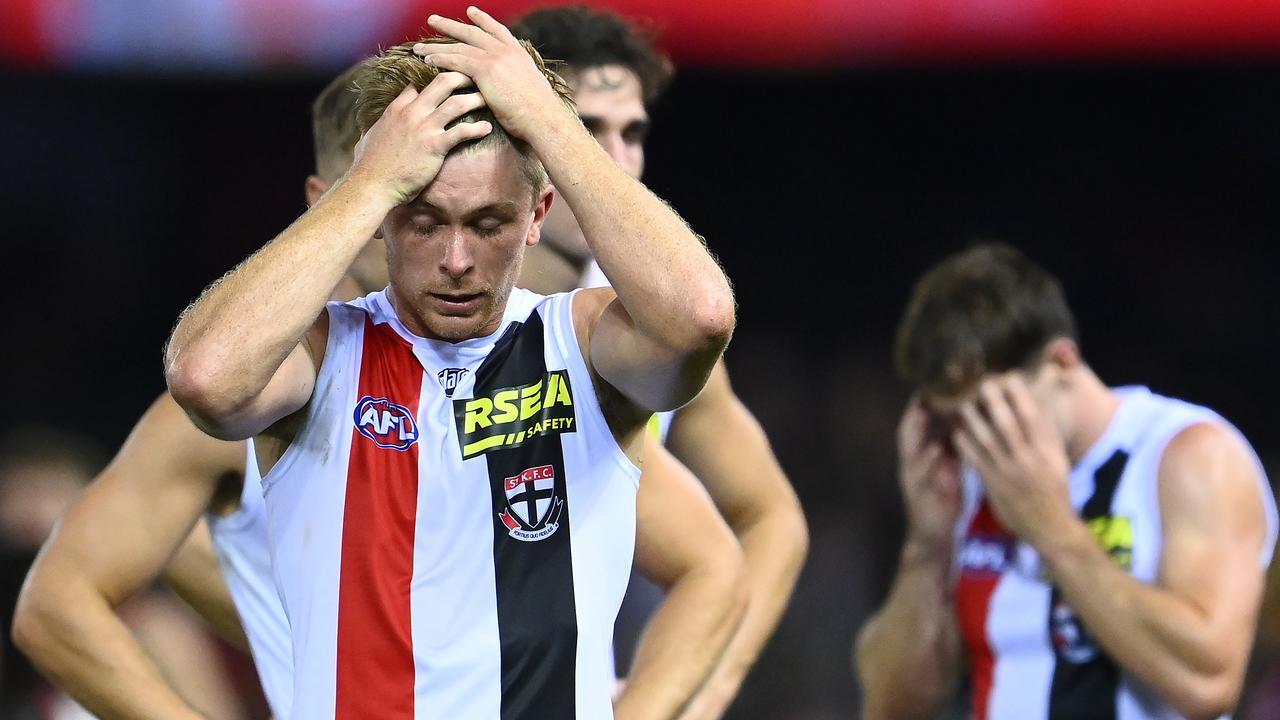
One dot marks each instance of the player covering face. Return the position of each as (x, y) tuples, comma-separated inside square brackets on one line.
[(1080, 551)]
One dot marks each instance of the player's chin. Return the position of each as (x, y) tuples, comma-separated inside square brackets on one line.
[(455, 326)]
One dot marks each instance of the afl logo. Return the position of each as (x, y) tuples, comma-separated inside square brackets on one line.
[(387, 424)]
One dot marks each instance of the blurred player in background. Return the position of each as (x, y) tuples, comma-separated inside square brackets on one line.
[(616, 73), (1083, 552), (466, 613), (41, 474), (172, 483)]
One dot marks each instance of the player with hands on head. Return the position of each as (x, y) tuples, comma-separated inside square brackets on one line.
[(409, 497), (1082, 551)]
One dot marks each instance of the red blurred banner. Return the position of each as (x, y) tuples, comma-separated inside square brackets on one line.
[(254, 34)]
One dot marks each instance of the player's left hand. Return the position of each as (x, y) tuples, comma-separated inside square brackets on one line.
[(517, 92), (1021, 458)]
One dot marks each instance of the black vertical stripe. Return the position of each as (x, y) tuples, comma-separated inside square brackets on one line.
[(1085, 690), (537, 615)]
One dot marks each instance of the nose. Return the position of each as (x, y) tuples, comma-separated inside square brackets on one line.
[(457, 260)]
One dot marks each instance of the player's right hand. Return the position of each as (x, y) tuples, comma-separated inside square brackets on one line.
[(930, 475), (403, 151)]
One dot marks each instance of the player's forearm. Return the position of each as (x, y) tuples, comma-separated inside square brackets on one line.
[(672, 288), (907, 654), (682, 643), (196, 577), (75, 638), (773, 548), (228, 345), (1168, 642)]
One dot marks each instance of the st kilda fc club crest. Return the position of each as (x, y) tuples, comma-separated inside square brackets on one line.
[(533, 508), (1070, 639)]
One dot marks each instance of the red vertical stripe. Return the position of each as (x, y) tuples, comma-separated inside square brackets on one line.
[(375, 643), (973, 604)]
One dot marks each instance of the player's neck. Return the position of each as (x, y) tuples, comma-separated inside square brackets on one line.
[(1095, 407), (546, 270)]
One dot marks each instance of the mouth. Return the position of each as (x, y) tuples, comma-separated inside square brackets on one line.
[(456, 303)]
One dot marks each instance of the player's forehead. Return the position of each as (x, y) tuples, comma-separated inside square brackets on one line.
[(946, 400), (609, 92), (486, 176)]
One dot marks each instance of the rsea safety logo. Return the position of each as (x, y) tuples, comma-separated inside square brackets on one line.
[(533, 508), (387, 424), (1114, 534), (510, 417)]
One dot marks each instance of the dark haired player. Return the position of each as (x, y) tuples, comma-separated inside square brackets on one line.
[(1080, 551), (616, 74)]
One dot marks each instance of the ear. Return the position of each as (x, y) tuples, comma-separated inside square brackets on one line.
[(540, 210), (1062, 354), (316, 186)]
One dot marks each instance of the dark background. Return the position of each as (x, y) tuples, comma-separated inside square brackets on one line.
[(1149, 189)]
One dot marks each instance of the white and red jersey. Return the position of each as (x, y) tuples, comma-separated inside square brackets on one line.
[(240, 542), (453, 526), (1029, 654)]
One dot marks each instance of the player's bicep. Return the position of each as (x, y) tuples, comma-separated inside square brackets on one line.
[(743, 476), (651, 375), (677, 527), (1214, 526)]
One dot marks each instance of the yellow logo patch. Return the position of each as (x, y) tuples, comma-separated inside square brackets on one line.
[(1115, 535), (511, 416)]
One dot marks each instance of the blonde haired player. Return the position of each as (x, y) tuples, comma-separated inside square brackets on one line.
[(478, 601), (170, 475)]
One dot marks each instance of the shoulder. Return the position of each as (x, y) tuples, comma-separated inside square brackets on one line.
[(1206, 446), (1208, 467)]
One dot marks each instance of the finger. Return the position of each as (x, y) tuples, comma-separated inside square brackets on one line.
[(455, 107), (977, 427), (462, 32), (485, 21), (464, 132), (972, 452), (406, 96), (1023, 405), (1004, 423), (439, 89), (911, 428), (425, 50), (454, 61)]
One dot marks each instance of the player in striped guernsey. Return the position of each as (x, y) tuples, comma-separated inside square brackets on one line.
[(1085, 552), (616, 73), (170, 472), (448, 465)]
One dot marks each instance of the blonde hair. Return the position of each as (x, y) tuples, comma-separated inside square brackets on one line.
[(387, 74)]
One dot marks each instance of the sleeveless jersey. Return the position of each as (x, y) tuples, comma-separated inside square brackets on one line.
[(453, 526), (1029, 654), (240, 542)]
